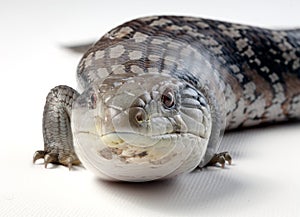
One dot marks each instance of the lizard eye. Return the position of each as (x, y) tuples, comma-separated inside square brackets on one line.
[(168, 98)]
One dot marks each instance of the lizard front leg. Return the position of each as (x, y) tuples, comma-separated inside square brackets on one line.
[(57, 133)]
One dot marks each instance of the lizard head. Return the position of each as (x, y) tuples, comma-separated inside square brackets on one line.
[(141, 127)]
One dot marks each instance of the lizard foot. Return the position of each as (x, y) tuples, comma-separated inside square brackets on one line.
[(57, 158), (220, 158)]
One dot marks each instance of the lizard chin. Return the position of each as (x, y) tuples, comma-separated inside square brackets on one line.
[(115, 159), (131, 156)]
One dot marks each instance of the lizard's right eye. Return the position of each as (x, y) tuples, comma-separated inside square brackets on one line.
[(168, 98)]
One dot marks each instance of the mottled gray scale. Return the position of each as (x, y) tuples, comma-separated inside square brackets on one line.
[(190, 103), (188, 92)]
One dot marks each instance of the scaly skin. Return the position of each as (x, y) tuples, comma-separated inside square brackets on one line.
[(58, 141), (257, 72)]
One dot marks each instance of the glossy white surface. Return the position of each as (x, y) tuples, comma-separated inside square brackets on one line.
[(263, 181)]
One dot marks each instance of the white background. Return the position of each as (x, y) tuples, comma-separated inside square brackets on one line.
[(263, 181)]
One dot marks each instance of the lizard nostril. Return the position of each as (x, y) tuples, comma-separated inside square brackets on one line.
[(137, 116), (140, 116)]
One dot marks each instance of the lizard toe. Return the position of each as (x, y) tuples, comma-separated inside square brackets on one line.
[(220, 158), (50, 158), (38, 155)]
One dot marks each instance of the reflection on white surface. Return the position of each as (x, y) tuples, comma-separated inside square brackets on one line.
[(263, 181)]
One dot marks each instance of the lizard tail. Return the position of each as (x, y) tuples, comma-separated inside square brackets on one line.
[(79, 48)]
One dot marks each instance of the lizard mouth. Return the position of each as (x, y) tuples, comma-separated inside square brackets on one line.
[(131, 146), (135, 139)]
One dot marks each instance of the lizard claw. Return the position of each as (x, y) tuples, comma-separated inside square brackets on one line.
[(228, 158), (38, 155), (69, 162), (56, 158), (50, 158), (220, 158)]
